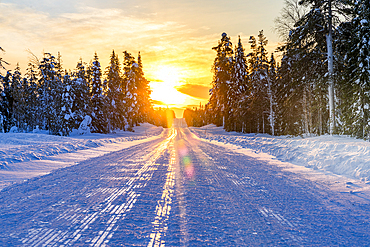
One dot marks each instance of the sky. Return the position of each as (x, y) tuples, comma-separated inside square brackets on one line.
[(175, 37)]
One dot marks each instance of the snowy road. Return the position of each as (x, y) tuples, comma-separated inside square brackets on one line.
[(180, 191)]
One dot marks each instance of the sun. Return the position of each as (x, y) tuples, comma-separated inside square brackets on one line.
[(167, 78)]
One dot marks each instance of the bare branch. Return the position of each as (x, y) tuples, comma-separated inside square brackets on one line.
[(2, 61), (290, 15), (33, 59)]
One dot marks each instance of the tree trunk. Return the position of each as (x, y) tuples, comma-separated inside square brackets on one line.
[(305, 111), (272, 113), (329, 43)]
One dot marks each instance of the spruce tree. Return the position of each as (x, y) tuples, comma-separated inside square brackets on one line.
[(271, 93), (239, 88), (67, 100), (115, 95), (130, 80), (258, 66), (222, 68), (18, 94), (7, 103), (357, 65), (56, 91), (47, 82), (98, 115), (143, 93), (32, 98), (81, 90)]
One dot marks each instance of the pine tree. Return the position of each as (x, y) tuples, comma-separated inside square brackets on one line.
[(258, 65), (143, 93), (115, 95), (81, 90), (98, 115), (357, 63), (67, 100), (239, 88), (32, 98), (130, 80), (222, 68), (7, 103), (18, 94), (47, 82), (56, 91), (271, 92)]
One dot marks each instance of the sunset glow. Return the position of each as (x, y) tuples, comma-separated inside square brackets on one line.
[(175, 38), (164, 88)]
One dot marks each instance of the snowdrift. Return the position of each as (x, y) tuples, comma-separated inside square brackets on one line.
[(337, 154), (20, 147)]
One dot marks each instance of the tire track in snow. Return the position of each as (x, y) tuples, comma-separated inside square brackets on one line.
[(163, 208), (81, 220), (230, 179), (288, 228)]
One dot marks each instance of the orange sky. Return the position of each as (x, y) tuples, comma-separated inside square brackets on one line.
[(175, 37)]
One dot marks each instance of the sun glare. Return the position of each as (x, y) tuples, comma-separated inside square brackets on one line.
[(163, 89)]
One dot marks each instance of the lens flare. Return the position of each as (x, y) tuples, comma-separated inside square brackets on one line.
[(186, 160)]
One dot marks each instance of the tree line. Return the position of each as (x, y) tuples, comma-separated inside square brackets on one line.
[(320, 86), (48, 97)]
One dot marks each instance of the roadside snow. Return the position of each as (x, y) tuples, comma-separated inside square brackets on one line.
[(26, 155), (340, 155)]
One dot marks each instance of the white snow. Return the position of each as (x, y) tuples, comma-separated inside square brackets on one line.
[(339, 155), (84, 128), (26, 155)]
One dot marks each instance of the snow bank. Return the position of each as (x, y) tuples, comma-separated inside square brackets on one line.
[(337, 154), (20, 147)]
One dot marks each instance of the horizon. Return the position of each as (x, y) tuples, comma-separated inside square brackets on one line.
[(175, 38)]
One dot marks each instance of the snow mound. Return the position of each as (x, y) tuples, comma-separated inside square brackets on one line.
[(19, 147), (337, 154)]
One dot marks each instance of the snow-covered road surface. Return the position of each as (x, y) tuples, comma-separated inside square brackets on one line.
[(180, 191)]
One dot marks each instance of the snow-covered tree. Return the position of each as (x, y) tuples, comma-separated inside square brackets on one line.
[(271, 92), (47, 84), (6, 103), (143, 93), (239, 89), (66, 114), (222, 69), (115, 95), (354, 46), (32, 98), (258, 67), (81, 90), (320, 20), (98, 115), (18, 94), (130, 80)]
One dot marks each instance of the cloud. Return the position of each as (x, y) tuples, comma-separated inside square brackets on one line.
[(86, 31), (157, 102), (196, 91), (168, 33)]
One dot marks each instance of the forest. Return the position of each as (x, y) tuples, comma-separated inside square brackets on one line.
[(51, 98), (315, 83), (321, 84)]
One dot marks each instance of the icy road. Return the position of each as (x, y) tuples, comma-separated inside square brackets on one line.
[(180, 191)]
